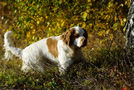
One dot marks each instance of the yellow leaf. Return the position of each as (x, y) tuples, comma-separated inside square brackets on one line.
[(62, 23), (124, 29), (89, 0), (115, 18), (107, 32), (4, 30), (28, 34), (38, 22), (83, 25), (101, 33), (40, 38), (46, 17), (48, 24), (32, 26), (71, 25), (115, 29), (84, 16), (58, 24), (44, 84), (33, 31), (111, 36), (90, 24), (33, 37), (53, 29), (124, 19), (48, 34)]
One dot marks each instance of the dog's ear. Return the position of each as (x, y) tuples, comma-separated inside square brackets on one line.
[(67, 37), (85, 33)]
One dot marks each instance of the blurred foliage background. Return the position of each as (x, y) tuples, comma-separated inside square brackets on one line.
[(35, 19), (110, 65)]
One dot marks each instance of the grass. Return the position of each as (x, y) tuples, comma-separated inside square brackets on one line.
[(105, 69)]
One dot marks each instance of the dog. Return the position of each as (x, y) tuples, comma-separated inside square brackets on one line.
[(63, 50)]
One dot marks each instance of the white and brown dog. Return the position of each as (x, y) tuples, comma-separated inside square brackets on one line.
[(64, 50)]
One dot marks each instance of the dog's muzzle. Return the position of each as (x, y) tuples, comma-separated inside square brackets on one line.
[(84, 42)]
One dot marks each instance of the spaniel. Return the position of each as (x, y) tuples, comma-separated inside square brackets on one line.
[(63, 50)]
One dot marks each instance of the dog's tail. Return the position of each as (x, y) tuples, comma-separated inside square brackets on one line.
[(10, 50)]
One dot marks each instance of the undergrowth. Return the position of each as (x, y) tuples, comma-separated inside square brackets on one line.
[(110, 69)]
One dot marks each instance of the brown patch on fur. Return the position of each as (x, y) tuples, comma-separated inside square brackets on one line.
[(67, 37), (76, 35), (52, 46)]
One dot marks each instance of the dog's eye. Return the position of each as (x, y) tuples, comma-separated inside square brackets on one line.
[(77, 35)]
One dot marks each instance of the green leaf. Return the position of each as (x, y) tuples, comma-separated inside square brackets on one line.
[(84, 16), (115, 25)]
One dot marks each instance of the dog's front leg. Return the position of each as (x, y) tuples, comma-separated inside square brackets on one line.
[(64, 65)]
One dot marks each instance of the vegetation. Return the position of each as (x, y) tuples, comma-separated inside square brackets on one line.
[(109, 65)]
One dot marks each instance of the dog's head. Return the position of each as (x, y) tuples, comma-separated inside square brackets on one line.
[(76, 36)]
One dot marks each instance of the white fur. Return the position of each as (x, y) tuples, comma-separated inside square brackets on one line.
[(36, 55)]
